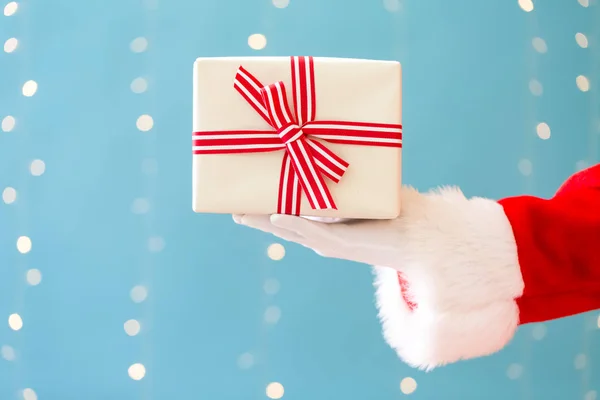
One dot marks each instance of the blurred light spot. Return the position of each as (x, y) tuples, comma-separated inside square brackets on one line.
[(591, 395), (539, 331), (15, 322), (582, 83), (11, 8), (281, 3), (514, 371), (9, 195), (535, 87), (23, 244), (144, 123), (257, 41), (272, 314), (140, 206), (29, 394), (271, 286), (525, 167), (149, 166), (526, 5), (132, 327), (581, 165), (276, 251), (245, 361), (580, 361), (8, 123), (539, 45), (408, 385), (11, 45), (137, 371), (581, 40), (156, 244), (584, 3), (139, 85), (598, 322), (8, 353), (138, 294), (37, 167), (34, 277), (275, 390), (29, 88), (139, 45), (543, 131), (392, 5)]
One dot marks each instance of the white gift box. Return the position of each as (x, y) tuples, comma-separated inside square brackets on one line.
[(347, 90)]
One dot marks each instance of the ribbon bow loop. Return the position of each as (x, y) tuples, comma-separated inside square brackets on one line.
[(274, 98)]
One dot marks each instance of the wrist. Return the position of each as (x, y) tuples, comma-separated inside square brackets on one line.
[(461, 274)]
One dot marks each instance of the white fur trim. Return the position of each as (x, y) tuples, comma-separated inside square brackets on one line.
[(460, 260)]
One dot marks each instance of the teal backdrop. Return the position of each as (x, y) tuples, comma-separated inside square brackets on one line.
[(112, 288)]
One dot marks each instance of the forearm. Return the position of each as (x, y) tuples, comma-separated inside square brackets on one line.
[(558, 247)]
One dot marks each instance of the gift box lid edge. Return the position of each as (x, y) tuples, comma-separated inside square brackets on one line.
[(273, 58)]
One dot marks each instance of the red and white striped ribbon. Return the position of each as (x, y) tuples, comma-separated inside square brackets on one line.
[(305, 160)]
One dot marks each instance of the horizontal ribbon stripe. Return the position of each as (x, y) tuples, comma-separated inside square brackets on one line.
[(306, 161), (228, 142)]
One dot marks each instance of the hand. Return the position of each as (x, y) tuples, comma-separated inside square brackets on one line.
[(440, 239), (351, 240), (375, 242)]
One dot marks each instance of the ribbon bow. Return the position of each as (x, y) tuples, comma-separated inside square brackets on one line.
[(305, 160)]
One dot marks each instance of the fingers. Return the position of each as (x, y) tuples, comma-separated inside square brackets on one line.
[(342, 235), (329, 238), (314, 231), (326, 220), (263, 223)]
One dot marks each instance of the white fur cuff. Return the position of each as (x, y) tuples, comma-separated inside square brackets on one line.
[(463, 275), (425, 339)]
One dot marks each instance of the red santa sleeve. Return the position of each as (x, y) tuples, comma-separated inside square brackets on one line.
[(558, 246), (487, 267)]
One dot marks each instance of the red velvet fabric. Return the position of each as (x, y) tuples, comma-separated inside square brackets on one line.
[(558, 244)]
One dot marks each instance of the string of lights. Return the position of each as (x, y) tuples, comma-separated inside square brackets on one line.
[(16, 124), (145, 205), (535, 47), (590, 321)]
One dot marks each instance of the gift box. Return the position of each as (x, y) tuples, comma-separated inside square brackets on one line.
[(304, 136)]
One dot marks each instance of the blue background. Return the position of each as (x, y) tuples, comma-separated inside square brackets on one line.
[(469, 119)]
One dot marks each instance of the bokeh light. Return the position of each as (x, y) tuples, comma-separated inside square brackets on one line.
[(275, 390)]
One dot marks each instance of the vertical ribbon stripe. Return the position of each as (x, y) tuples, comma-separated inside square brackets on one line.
[(303, 88), (289, 189), (306, 161)]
